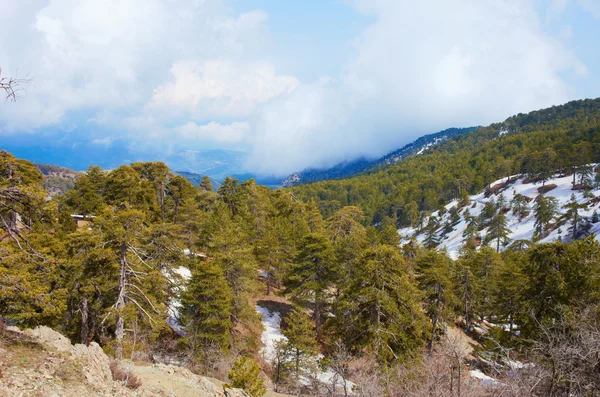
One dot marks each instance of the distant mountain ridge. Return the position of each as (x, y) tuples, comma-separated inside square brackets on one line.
[(350, 168), (57, 179)]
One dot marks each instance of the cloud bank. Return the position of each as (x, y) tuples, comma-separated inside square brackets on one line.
[(188, 75), (419, 68)]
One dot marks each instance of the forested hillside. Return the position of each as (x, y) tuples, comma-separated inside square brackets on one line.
[(258, 288), (350, 168), (562, 137)]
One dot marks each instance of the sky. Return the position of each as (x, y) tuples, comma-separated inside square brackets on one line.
[(291, 84)]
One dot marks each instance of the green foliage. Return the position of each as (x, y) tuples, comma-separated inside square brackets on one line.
[(545, 209), (297, 355), (206, 184), (520, 206), (560, 274), (312, 274), (207, 305), (245, 375), (380, 310), (498, 230), (434, 279), (572, 214)]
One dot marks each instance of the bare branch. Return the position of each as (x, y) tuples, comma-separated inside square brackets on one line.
[(11, 86)]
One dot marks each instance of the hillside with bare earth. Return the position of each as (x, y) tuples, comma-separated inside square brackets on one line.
[(42, 362), (57, 179)]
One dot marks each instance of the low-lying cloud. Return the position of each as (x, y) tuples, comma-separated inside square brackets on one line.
[(419, 68)]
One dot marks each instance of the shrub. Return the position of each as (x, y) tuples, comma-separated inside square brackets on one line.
[(126, 376), (245, 375)]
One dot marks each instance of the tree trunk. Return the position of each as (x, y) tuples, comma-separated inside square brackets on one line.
[(318, 317), (120, 326), (176, 211), (85, 330), (268, 281), (432, 340), (438, 305)]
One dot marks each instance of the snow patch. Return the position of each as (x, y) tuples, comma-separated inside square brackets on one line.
[(271, 322), (272, 334), (484, 379)]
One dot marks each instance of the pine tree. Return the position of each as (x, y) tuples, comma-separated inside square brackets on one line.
[(559, 275), (159, 176), (245, 375), (312, 274), (498, 230), (520, 206), (179, 190), (388, 232), (466, 289), (545, 211), (572, 214), (434, 270), (508, 288), (585, 176), (207, 304), (123, 186), (431, 237), (91, 274), (348, 238), (140, 286), (301, 343), (206, 184), (381, 309), (313, 217), (228, 244), (454, 216), (410, 214), (471, 232), (86, 197), (483, 265)]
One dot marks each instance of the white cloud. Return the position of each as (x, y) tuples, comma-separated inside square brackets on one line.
[(87, 55), (141, 67), (558, 6), (106, 142), (214, 132), (591, 6), (221, 88), (418, 68)]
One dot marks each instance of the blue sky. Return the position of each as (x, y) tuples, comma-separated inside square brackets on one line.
[(292, 84)]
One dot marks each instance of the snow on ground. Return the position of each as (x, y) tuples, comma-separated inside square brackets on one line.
[(185, 275), (272, 334), (485, 380), (271, 322), (520, 229)]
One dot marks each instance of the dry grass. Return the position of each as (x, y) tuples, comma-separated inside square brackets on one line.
[(127, 377)]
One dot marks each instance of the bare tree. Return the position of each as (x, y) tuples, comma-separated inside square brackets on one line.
[(12, 86)]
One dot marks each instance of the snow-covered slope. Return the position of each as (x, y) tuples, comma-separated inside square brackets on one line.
[(520, 229), (271, 321)]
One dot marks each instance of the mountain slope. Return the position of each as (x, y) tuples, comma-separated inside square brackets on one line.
[(57, 179), (558, 137), (350, 168), (450, 233)]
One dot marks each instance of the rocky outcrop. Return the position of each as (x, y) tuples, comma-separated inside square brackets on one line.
[(43, 362)]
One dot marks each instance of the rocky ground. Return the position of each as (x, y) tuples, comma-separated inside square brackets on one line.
[(43, 363)]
